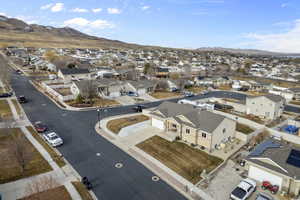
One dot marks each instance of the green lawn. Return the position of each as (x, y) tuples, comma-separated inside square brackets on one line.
[(9, 167), (181, 158)]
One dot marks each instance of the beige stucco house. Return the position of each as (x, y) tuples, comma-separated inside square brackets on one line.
[(276, 162), (268, 106), (202, 128)]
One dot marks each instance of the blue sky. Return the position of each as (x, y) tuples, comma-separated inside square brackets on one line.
[(263, 24)]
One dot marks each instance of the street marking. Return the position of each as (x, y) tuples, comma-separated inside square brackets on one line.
[(98, 154), (64, 114), (44, 104), (155, 178), (119, 165)]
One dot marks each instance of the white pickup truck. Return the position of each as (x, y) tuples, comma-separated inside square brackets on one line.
[(244, 190)]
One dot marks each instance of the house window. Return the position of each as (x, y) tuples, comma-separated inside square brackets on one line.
[(174, 126), (224, 130), (187, 131), (204, 135)]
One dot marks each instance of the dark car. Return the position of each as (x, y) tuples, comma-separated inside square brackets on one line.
[(139, 108), (40, 127), (22, 99), (5, 95)]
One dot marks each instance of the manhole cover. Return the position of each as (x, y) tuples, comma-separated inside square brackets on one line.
[(155, 178), (44, 104), (119, 165), (98, 154)]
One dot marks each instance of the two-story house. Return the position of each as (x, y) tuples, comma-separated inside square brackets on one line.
[(203, 128)]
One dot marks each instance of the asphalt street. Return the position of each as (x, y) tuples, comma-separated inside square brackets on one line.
[(82, 144)]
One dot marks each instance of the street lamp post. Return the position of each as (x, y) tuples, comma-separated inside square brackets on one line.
[(98, 111)]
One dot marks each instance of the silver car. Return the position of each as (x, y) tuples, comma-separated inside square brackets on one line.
[(264, 196), (53, 139)]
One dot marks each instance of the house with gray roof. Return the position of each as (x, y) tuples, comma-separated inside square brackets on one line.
[(73, 73), (198, 127), (140, 87), (267, 106), (277, 162)]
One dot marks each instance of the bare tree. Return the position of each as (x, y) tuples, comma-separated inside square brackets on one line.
[(22, 152), (161, 86), (40, 185), (89, 91)]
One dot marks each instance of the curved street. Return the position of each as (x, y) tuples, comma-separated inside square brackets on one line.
[(83, 145)]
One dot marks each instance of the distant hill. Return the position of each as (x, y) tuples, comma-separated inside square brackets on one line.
[(18, 33), (246, 51)]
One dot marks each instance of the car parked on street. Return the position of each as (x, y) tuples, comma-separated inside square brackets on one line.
[(22, 99), (139, 108), (53, 139), (264, 196), (132, 94), (5, 95), (40, 127), (188, 94), (244, 190)]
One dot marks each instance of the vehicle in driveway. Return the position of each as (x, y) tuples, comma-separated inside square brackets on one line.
[(22, 99), (132, 94), (5, 95), (264, 196), (139, 108), (40, 127), (189, 94), (53, 139), (244, 190)]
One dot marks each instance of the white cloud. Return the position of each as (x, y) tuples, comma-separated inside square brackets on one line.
[(57, 7), (113, 11), (45, 7), (288, 41), (87, 24), (80, 10), (145, 7), (4, 14), (97, 10)]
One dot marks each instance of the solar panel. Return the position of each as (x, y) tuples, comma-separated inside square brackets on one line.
[(294, 158), (263, 146)]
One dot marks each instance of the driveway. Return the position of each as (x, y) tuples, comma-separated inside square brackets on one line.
[(125, 100)]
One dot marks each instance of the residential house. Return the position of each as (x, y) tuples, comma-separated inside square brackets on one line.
[(277, 162), (140, 87), (211, 81), (203, 128), (296, 93), (73, 74), (268, 106)]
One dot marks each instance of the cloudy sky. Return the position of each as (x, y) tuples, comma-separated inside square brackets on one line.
[(261, 24)]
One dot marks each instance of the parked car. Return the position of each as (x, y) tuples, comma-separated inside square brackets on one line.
[(139, 108), (53, 139), (40, 127), (189, 94), (5, 95), (19, 71), (263, 196), (22, 99), (244, 190), (132, 94)]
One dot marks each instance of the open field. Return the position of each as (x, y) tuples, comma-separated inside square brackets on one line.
[(10, 170), (84, 193), (5, 111), (181, 158), (58, 193), (117, 124), (57, 158), (164, 95)]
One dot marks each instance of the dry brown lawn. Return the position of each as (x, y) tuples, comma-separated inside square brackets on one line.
[(196, 90), (244, 128), (84, 193), (64, 91), (295, 102), (2, 90), (9, 168), (254, 93), (224, 87), (181, 158), (117, 124), (57, 158), (5, 111), (164, 95), (98, 102), (58, 193)]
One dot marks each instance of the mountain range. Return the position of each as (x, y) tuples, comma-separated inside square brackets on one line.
[(15, 32)]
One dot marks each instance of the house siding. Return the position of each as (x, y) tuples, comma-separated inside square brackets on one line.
[(218, 136)]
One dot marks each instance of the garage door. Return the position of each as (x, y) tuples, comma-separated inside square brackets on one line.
[(158, 124), (141, 91), (261, 175)]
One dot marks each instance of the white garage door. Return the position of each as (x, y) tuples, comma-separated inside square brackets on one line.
[(158, 123), (261, 175)]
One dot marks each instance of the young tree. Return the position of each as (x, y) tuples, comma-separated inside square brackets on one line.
[(21, 151), (89, 91)]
